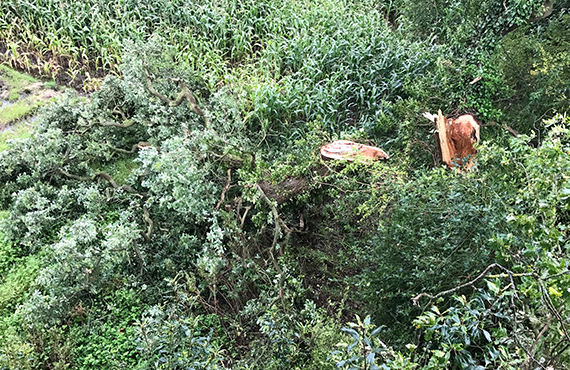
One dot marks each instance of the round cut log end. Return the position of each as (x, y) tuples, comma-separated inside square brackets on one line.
[(351, 151)]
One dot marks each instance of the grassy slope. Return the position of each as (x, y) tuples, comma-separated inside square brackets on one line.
[(21, 96)]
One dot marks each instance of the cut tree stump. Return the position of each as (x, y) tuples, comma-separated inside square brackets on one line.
[(457, 138)]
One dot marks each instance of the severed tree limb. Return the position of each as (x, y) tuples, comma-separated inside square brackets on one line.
[(139, 256), (139, 145), (152, 90), (187, 94), (508, 128), (275, 237), (124, 151), (242, 221), (121, 113), (104, 175), (107, 177), (511, 130), (538, 338), (550, 305)]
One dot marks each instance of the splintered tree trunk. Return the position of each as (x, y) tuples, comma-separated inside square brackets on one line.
[(445, 142)]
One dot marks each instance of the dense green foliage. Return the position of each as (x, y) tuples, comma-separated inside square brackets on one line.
[(140, 233)]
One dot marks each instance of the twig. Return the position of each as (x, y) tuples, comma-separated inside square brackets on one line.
[(275, 216), (449, 291), (226, 188), (150, 223), (453, 290), (125, 124), (539, 336), (551, 308), (242, 221)]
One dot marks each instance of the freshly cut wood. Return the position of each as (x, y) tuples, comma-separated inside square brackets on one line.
[(456, 138), (445, 142), (351, 151)]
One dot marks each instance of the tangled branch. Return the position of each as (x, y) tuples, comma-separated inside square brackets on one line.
[(545, 297), (103, 175), (185, 94)]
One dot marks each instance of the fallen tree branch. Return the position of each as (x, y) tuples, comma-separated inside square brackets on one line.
[(124, 151), (508, 128), (538, 337), (550, 305), (104, 175), (139, 145)]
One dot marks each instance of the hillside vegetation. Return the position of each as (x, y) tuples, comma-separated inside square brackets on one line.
[(180, 216)]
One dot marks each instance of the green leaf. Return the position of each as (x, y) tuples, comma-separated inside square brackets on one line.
[(352, 333), (376, 331), (487, 335), (492, 287)]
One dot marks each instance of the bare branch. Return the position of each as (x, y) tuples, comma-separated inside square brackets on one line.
[(508, 128), (124, 151), (539, 336), (150, 223), (275, 216), (182, 95), (125, 124), (416, 299), (226, 188), (548, 301), (104, 175)]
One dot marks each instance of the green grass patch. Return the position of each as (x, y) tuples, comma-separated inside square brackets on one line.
[(16, 81), (18, 110), (119, 169), (21, 130)]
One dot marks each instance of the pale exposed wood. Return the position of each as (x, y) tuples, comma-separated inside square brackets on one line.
[(447, 146), (351, 151), (457, 138)]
